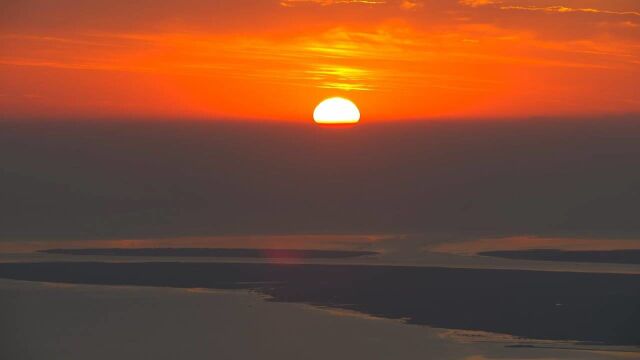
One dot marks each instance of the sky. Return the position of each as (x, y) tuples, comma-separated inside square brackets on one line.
[(276, 59)]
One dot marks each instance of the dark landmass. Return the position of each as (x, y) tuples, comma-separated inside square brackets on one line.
[(593, 308), (216, 252), (595, 256), (526, 346)]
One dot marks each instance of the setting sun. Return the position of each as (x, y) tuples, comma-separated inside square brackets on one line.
[(336, 110)]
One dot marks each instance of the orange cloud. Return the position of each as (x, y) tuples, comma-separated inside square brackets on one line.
[(403, 4), (565, 9), (477, 3), (290, 3), (410, 4)]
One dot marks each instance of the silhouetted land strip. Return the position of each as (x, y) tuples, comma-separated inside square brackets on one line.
[(215, 252), (595, 308), (595, 256)]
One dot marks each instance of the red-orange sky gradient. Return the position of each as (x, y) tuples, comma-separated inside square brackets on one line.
[(276, 59)]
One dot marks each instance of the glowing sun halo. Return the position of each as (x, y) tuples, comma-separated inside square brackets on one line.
[(336, 110)]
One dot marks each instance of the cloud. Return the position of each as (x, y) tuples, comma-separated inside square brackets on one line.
[(403, 4), (477, 3), (551, 9), (291, 3), (564, 9), (410, 4)]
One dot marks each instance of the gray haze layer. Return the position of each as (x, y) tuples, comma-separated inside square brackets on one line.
[(83, 180)]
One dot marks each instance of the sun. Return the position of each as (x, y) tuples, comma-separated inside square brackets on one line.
[(336, 110)]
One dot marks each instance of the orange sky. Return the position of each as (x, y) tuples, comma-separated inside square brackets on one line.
[(276, 59)]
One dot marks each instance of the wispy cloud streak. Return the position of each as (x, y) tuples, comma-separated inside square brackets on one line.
[(565, 9), (290, 3)]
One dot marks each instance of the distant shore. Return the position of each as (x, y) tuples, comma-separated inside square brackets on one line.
[(591, 256), (215, 252)]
